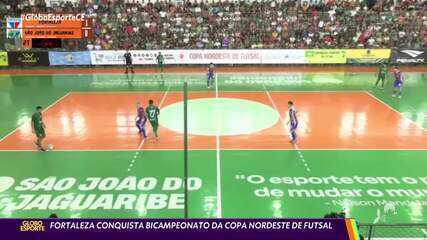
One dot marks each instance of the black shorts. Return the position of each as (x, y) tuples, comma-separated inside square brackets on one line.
[(40, 133)]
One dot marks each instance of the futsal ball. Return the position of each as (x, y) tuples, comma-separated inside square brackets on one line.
[(50, 147)]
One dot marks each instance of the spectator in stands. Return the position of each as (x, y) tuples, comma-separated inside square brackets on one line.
[(243, 24)]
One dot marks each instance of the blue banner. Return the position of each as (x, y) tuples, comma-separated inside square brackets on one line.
[(69, 58)]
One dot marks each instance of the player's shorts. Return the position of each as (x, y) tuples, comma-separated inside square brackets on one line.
[(40, 133), (128, 63), (398, 84), (210, 75), (141, 122), (154, 124), (293, 127), (381, 76)]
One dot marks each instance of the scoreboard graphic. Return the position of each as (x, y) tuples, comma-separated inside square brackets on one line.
[(49, 26)]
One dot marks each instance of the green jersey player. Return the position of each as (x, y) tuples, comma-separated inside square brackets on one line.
[(153, 113), (38, 127), (382, 72), (160, 61)]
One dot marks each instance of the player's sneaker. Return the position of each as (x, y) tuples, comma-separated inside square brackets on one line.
[(400, 96), (40, 148), (393, 95)]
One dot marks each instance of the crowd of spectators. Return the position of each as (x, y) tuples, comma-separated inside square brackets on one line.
[(234, 24)]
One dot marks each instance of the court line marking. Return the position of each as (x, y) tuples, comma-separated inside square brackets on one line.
[(213, 149), (44, 110), (275, 108), (226, 149), (139, 149), (228, 91), (136, 154), (271, 72), (394, 110), (218, 161), (300, 155)]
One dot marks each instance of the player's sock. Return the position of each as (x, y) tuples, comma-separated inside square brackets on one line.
[(294, 136), (143, 132)]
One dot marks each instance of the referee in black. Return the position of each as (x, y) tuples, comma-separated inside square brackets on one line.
[(128, 61)]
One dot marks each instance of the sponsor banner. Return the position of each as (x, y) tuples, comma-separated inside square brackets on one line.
[(218, 57), (188, 229), (409, 56), (150, 56), (107, 57), (143, 57), (69, 58), (3, 59), (282, 56), (264, 56), (28, 58), (325, 56), (368, 55), (179, 57)]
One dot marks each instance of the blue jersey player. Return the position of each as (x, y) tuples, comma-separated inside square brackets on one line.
[(141, 119), (398, 83), (293, 122), (211, 75)]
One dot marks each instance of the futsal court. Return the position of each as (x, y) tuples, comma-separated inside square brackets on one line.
[(359, 150)]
